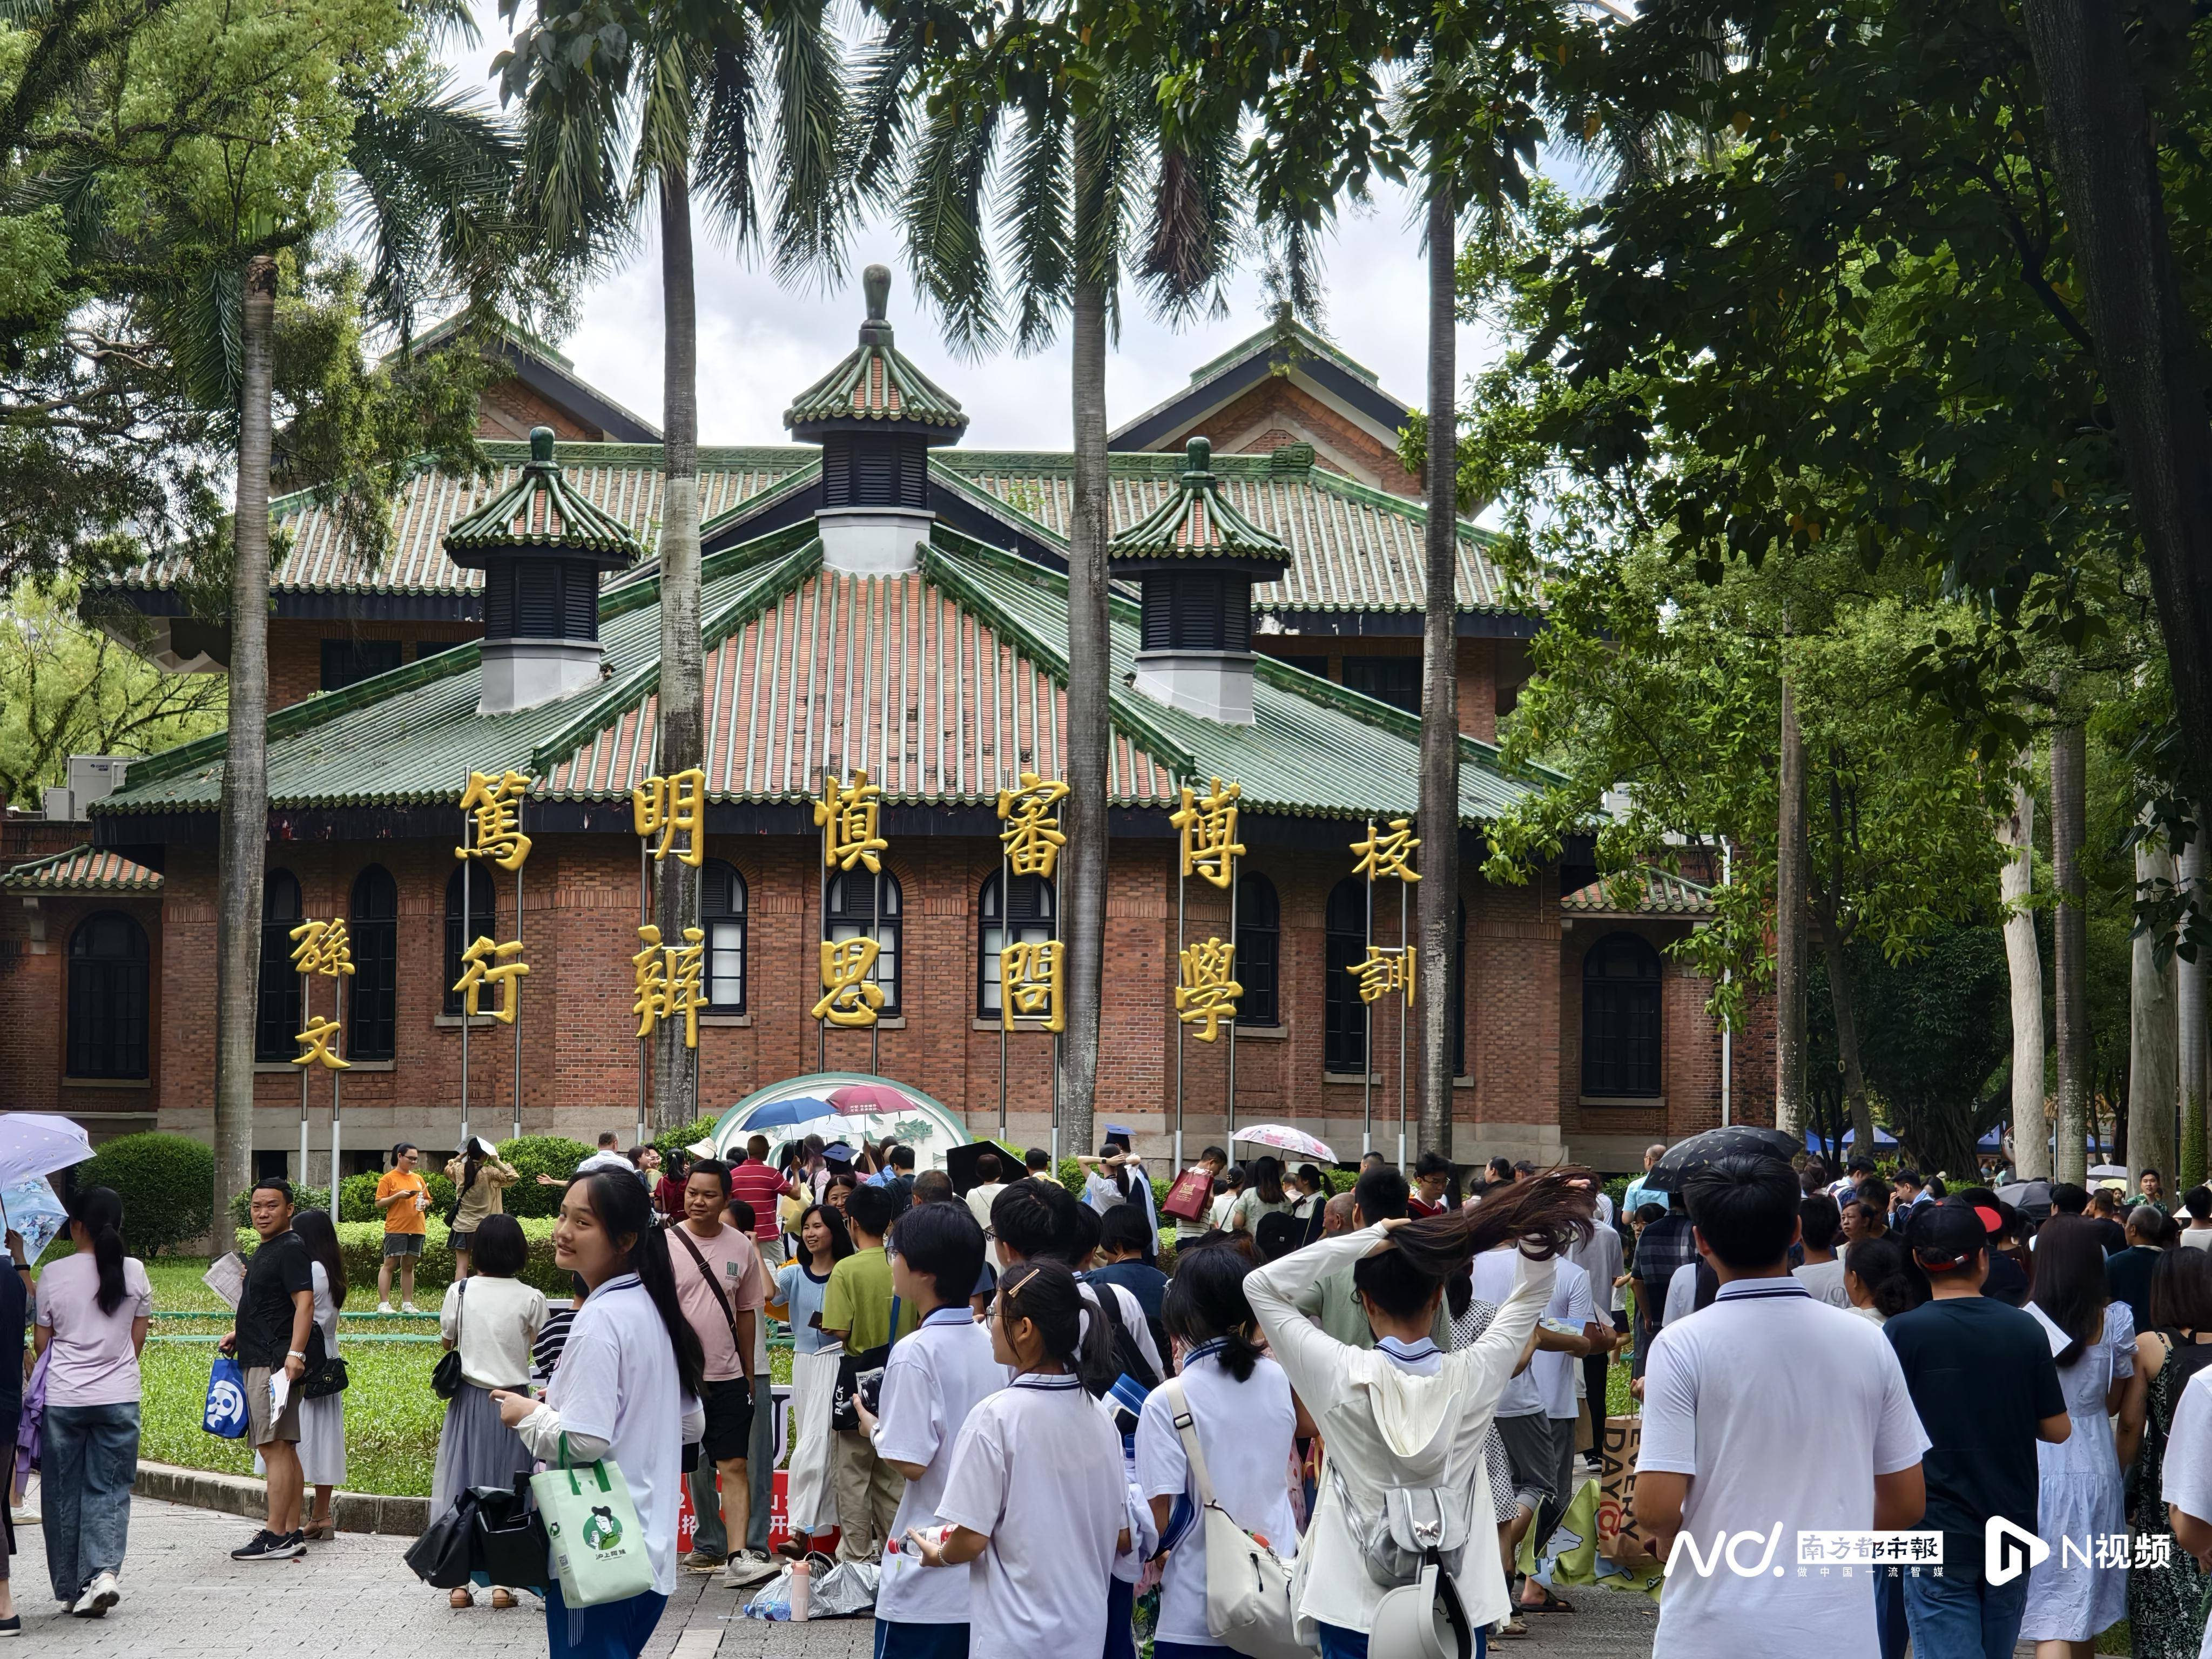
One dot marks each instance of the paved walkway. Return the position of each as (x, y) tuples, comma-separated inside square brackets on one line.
[(185, 1598)]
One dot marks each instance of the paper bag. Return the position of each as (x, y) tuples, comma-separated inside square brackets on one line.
[(1618, 1539), (1186, 1200)]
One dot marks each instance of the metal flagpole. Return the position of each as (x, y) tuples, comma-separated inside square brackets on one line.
[(307, 1019), (822, 916), (1006, 1010), (1232, 1018), (1181, 880), (338, 999), (876, 932), (644, 917), (1406, 966), (468, 920), (1055, 1036), (1367, 1038), (1728, 1045), (517, 1007)]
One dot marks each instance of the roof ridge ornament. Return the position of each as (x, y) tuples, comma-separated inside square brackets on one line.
[(1198, 525), (541, 509)]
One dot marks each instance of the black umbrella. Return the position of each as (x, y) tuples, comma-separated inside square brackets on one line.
[(960, 1163), (1737, 1140)]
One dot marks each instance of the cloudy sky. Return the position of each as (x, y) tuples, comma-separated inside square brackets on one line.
[(759, 342)]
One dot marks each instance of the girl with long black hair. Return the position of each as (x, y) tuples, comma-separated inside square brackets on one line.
[(322, 1420), (810, 1503), (93, 1312), (480, 1181), (627, 1389), (1245, 1421), (1403, 1414), (1036, 1492)]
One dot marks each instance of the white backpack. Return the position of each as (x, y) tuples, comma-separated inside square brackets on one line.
[(1249, 1604)]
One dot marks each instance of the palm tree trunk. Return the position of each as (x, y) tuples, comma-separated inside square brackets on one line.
[(2070, 946), (2153, 1049), (2031, 1127), (1089, 674), (1846, 1009), (245, 758), (682, 669), (1439, 812), (2189, 1015), (1792, 868)]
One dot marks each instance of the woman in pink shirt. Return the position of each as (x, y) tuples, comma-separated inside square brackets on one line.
[(93, 1310)]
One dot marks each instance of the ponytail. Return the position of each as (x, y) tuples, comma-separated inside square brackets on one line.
[(622, 1206), (99, 1211), (1044, 1292), (1204, 1302)]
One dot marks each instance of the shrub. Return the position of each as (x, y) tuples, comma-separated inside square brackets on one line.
[(670, 1144), (361, 1244), (532, 1156), (303, 1198), (166, 1183), (357, 1196)]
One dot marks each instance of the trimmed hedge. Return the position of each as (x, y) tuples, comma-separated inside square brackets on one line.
[(532, 1156), (670, 1143), (166, 1183), (304, 1197), (361, 1244), (357, 1196)]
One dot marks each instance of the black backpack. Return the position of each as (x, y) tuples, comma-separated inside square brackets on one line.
[(1128, 1358)]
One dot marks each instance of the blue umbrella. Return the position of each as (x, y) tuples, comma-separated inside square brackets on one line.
[(780, 1114)]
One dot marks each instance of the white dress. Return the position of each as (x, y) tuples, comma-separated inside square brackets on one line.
[(2079, 1496), (322, 1422)]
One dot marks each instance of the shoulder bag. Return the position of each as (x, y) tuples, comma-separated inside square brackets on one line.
[(325, 1372), (722, 1298), (445, 1379), (860, 1375), (1248, 1605)]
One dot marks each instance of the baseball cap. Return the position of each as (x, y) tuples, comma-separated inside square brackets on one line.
[(1942, 1235)]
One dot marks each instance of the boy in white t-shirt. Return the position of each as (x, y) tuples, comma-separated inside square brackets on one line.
[(934, 1381)]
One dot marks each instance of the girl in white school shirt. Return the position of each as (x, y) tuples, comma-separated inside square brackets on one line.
[(1036, 1501), (934, 1381)]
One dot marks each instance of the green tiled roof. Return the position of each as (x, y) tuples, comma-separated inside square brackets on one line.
[(877, 381), (82, 870), (945, 682), (541, 509), (1195, 523), (1645, 890)]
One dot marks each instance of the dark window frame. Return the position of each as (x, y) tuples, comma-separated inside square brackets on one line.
[(372, 988), (1032, 913), (1622, 1027), (848, 918), (482, 922), (723, 902), (277, 1019), (109, 1009), (343, 663), (1258, 951)]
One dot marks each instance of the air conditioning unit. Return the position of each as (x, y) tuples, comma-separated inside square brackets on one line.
[(58, 806), (94, 777)]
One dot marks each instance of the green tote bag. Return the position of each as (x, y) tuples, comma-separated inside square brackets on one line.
[(598, 1544)]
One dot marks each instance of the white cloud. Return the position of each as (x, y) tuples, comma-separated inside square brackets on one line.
[(760, 342)]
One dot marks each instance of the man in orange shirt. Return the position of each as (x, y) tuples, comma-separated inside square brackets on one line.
[(405, 1197)]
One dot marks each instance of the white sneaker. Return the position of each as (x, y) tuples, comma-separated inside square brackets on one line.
[(104, 1592), (408, 1308), (384, 1306), (747, 1568)]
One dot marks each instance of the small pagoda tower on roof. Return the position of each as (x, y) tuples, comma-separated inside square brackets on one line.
[(544, 551), (1195, 560), (876, 416)]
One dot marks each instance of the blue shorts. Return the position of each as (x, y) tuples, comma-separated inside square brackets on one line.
[(903, 1641)]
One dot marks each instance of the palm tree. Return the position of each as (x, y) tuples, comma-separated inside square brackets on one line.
[(1091, 168), (625, 105)]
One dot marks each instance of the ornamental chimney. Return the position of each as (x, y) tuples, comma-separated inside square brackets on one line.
[(876, 416), (544, 549), (1195, 560)]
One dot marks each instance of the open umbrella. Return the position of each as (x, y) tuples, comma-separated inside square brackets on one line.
[(1285, 1139), (2107, 1172), (39, 1142), (1737, 1140), (2032, 1196), (855, 1098), (781, 1114)]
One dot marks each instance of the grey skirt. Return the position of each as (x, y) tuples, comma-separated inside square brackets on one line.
[(475, 1449)]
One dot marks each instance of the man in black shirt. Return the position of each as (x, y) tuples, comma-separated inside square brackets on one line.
[(1982, 1378), (276, 1312)]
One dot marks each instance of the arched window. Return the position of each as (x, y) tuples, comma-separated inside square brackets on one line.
[(482, 923), (1029, 923), (1344, 1019), (1258, 950), (850, 917), (107, 997), (372, 992), (722, 918), (1620, 1017), (276, 1003)]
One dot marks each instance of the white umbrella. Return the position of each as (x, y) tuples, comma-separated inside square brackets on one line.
[(1285, 1139), (2107, 1172), (34, 1144)]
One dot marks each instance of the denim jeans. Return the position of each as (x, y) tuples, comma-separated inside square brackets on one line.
[(1964, 1618), (1889, 1615), (88, 1459)]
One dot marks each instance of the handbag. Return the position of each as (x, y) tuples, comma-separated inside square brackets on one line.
[(508, 1537), (225, 1415), (1187, 1199), (324, 1373), (446, 1375), (441, 1557), (1417, 1524), (1249, 1604), (861, 1374), (597, 1542)]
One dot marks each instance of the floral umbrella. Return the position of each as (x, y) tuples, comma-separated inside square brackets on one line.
[(857, 1098), (1285, 1139)]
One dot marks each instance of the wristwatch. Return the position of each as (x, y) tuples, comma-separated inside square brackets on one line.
[(294, 1353)]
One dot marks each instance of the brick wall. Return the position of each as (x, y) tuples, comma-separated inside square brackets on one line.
[(508, 408), (1277, 411), (33, 1016), (296, 649), (1478, 694)]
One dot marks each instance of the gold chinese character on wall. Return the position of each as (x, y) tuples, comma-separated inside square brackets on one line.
[(1207, 993), (494, 806), (1387, 969), (1390, 853), (1030, 976), (670, 807), (849, 817), (1032, 837), (669, 981), (486, 963), (315, 1045), (322, 947), (1208, 825), (849, 996)]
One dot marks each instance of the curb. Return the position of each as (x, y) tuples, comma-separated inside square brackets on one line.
[(237, 1494)]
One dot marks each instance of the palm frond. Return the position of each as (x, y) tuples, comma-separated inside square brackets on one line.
[(814, 190), (880, 129), (667, 113), (1111, 150), (942, 212), (199, 315), (1192, 244), (1039, 239)]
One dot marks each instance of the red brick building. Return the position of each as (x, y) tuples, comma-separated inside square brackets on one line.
[(857, 611)]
